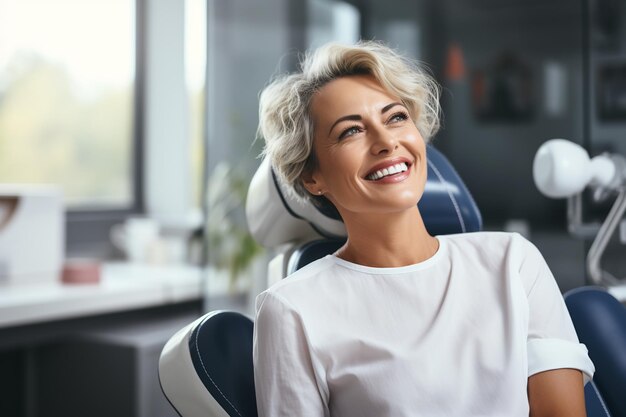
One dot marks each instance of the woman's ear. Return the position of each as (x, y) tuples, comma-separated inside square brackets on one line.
[(312, 182)]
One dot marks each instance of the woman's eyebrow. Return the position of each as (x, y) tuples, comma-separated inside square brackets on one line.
[(388, 106), (358, 117), (341, 119)]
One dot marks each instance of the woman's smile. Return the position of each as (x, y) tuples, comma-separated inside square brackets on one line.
[(390, 172)]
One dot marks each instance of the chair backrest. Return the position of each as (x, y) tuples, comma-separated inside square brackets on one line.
[(600, 322), (447, 206), (206, 369), (226, 335)]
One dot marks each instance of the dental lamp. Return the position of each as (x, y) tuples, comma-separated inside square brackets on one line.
[(563, 169)]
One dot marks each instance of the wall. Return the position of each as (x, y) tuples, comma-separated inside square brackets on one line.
[(495, 158)]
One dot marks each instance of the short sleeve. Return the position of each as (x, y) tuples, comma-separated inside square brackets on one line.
[(552, 341), (284, 377)]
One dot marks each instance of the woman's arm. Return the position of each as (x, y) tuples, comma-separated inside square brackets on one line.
[(557, 393), (558, 364), (284, 374)]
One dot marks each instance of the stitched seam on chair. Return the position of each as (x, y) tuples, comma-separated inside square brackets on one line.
[(207, 374), (606, 410), (454, 203), (282, 197), (296, 215)]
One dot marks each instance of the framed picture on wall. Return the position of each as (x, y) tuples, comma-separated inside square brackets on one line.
[(611, 92), (503, 91)]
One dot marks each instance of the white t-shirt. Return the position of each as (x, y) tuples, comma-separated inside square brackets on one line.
[(456, 335)]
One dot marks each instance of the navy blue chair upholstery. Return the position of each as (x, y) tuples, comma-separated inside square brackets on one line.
[(231, 379), (600, 322), (447, 206), (594, 403)]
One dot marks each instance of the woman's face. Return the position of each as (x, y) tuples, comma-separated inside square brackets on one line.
[(370, 155)]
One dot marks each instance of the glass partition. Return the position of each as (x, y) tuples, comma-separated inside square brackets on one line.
[(248, 43)]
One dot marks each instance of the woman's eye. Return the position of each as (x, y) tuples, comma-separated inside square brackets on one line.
[(398, 117), (352, 130)]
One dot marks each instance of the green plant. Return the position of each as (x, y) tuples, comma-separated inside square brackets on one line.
[(230, 246)]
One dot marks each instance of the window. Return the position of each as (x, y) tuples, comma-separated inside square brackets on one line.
[(67, 71)]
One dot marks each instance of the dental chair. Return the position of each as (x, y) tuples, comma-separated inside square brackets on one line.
[(600, 322), (206, 368)]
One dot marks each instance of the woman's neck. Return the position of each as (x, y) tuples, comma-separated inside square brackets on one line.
[(393, 240)]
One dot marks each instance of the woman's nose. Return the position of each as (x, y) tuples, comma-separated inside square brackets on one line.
[(383, 141)]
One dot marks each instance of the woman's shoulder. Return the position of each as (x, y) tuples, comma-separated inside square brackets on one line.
[(492, 243), (302, 282)]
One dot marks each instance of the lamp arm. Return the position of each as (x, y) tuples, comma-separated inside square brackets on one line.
[(597, 274), (575, 225)]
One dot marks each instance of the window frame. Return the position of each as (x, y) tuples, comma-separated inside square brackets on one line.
[(87, 230)]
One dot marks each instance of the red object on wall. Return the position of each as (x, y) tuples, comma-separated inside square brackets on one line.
[(455, 64)]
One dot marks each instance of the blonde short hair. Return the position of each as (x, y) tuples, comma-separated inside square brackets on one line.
[(285, 122)]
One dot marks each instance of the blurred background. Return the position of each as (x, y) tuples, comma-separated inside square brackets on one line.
[(131, 123)]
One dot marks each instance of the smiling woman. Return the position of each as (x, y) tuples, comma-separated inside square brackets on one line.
[(398, 322)]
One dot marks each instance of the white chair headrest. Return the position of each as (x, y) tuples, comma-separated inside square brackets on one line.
[(275, 217)]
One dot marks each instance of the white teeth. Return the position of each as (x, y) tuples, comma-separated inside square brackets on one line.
[(394, 169)]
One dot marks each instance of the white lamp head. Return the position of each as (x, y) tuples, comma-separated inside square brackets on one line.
[(562, 168)]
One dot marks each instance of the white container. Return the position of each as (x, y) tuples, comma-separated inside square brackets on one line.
[(32, 233)]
